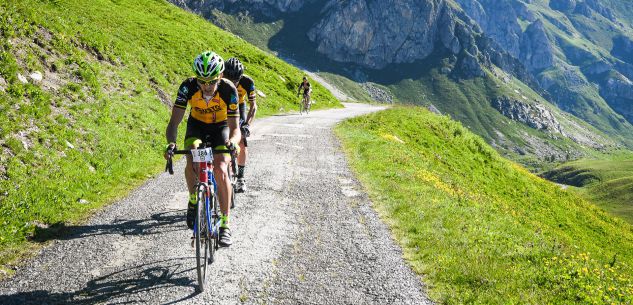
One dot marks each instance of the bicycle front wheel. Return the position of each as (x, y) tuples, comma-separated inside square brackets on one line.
[(202, 237)]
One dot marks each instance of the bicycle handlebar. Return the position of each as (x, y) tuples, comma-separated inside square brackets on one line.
[(169, 167)]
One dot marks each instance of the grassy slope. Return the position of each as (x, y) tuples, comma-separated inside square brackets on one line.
[(607, 182), (469, 101), (351, 88), (481, 229), (94, 128), (257, 33)]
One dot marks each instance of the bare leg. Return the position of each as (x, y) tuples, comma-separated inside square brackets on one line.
[(220, 162), (190, 175), (241, 159)]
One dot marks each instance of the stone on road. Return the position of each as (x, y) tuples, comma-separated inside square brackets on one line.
[(303, 233)]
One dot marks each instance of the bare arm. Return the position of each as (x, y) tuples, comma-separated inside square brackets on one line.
[(172, 128), (234, 132), (252, 109)]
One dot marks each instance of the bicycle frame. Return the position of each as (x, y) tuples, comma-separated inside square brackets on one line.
[(209, 236), (206, 172)]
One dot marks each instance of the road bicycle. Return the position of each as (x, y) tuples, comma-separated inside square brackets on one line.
[(206, 228), (304, 105)]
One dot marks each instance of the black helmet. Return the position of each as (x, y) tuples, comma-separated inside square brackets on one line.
[(233, 69)]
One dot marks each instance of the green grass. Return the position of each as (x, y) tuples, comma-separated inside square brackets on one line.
[(469, 101), (94, 129), (479, 228), (257, 33), (351, 88), (607, 182)]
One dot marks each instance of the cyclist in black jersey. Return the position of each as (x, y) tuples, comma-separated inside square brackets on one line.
[(305, 85), (214, 113), (234, 71)]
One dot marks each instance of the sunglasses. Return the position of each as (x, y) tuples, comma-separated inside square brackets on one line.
[(207, 82)]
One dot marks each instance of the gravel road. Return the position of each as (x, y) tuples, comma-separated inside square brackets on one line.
[(304, 233)]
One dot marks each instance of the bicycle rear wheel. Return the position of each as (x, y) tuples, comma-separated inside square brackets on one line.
[(305, 105), (202, 236)]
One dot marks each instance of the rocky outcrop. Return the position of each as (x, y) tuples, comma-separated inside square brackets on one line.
[(534, 115), (618, 90), (622, 48), (374, 33), (618, 86), (601, 9), (377, 93), (498, 20), (583, 9), (577, 55), (596, 68), (468, 66), (625, 68), (562, 5), (536, 49)]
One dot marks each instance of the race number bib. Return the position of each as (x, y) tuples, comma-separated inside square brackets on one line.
[(202, 155)]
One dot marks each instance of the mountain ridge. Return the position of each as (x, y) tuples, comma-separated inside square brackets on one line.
[(532, 42)]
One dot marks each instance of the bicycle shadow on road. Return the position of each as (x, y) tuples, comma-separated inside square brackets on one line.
[(125, 286), (158, 223)]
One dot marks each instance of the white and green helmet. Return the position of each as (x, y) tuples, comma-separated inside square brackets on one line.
[(208, 65)]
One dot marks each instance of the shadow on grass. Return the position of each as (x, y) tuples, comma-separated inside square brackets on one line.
[(158, 223), (121, 287)]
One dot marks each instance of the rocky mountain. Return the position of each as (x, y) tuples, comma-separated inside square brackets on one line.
[(574, 54)]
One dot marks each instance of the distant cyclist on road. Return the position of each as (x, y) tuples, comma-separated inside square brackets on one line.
[(305, 85), (234, 71), (213, 102)]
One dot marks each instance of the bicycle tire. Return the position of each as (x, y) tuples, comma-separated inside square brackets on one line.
[(202, 237), (214, 204), (305, 105)]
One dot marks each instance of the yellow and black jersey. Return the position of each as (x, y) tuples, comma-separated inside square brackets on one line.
[(218, 109), (246, 87)]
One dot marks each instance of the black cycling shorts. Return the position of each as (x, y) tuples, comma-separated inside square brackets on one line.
[(218, 133)]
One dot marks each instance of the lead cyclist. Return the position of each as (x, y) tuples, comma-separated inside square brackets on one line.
[(213, 102)]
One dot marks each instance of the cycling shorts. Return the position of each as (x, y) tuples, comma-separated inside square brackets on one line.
[(218, 133)]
